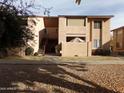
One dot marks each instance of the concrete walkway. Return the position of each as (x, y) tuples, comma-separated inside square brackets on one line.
[(59, 60)]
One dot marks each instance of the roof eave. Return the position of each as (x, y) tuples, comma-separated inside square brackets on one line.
[(88, 16), (122, 27)]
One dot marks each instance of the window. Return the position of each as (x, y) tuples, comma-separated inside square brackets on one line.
[(96, 43), (75, 39), (97, 24), (74, 22)]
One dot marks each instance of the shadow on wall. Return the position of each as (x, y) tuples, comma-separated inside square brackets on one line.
[(42, 35), (53, 75)]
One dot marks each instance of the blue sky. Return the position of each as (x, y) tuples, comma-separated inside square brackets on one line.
[(87, 7)]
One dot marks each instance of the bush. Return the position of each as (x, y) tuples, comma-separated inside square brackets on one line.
[(106, 53), (18, 51), (36, 54), (3, 52), (13, 33), (121, 53), (29, 51), (102, 52), (58, 49)]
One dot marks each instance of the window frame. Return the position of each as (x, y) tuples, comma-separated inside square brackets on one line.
[(96, 43), (69, 38), (97, 24)]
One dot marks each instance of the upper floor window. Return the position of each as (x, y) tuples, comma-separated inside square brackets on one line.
[(97, 24), (74, 22)]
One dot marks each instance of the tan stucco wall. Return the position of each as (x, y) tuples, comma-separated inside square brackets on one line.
[(118, 36), (102, 34), (74, 49), (58, 29), (69, 30), (38, 29), (62, 31), (106, 33), (89, 49), (75, 22), (35, 28), (114, 41)]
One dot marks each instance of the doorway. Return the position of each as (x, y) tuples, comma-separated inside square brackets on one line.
[(48, 46)]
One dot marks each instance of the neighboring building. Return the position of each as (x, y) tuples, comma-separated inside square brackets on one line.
[(118, 40), (77, 35)]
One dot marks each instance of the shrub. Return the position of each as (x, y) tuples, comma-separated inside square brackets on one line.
[(13, 33), (106, 52), (58, 49), (121, 53), (36, 54), (3, 52), (29, 51), (102, 52)]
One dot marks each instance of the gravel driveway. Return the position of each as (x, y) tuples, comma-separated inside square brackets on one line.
[(62, 78)]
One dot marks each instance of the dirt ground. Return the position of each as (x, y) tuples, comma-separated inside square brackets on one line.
[(63, 60), (61, 78)]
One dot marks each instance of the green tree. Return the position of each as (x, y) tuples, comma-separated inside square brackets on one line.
[(12, 32)]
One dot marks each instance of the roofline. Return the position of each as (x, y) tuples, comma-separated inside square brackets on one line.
[(41, 16), (89, 16), (79, 16), (122, 27), (72, 16), (102, 16)]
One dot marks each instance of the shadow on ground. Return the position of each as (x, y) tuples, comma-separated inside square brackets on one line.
[(53, 75)]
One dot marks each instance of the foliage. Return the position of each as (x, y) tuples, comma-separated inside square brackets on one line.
[(12, 32), (3, 52), (29, 51), (36, 54), (58, 49), (103, 52), (121, 53)]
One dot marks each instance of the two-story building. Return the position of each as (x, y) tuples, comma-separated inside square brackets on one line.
[(118, 40), (77, 35)]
